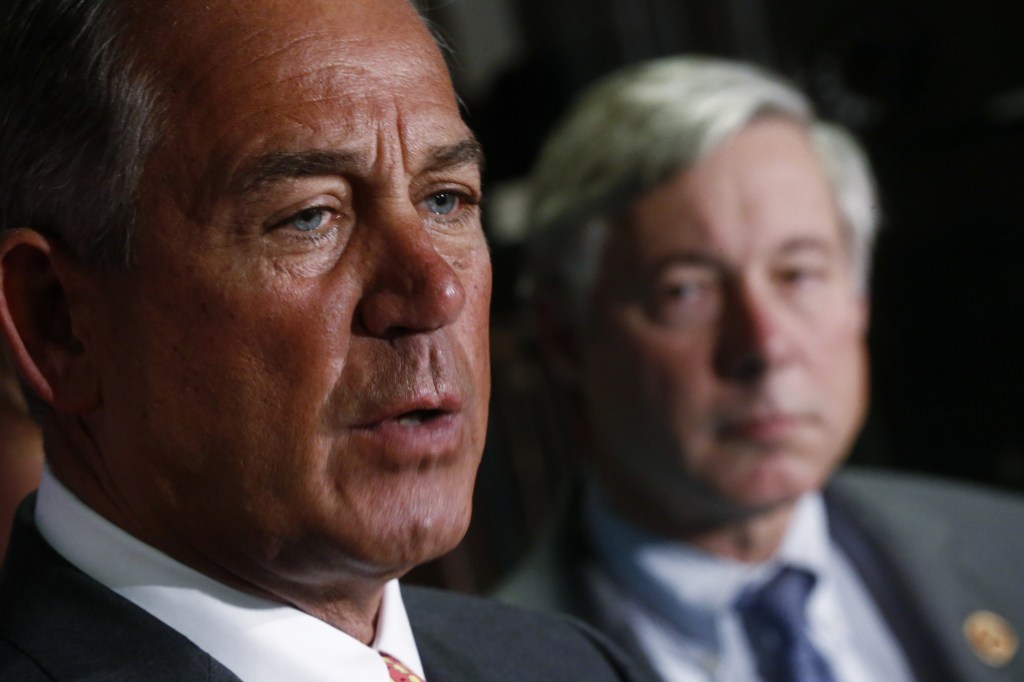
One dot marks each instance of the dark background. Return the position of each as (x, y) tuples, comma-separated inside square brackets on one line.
[(935, 91)]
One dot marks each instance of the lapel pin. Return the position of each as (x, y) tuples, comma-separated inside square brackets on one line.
[(991, 638)]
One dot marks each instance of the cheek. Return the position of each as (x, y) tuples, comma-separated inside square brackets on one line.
[(275, 352), (667, 367), (647, 381), (840, 348), (474, 324), (478, 302), (840, 367)]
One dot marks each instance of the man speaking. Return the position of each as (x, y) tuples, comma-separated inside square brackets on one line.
[(243, 273)]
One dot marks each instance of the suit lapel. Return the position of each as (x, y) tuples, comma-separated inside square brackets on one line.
[(926, 574), (442, 663), (891, 592), (78, 629)]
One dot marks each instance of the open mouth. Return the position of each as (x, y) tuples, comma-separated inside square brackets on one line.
[(417, 417), (412, 436)]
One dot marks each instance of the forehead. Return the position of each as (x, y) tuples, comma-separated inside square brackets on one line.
[(188, 41), (760, 190), (244, 78)]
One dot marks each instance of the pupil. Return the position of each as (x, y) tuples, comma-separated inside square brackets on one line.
[(443, 203), (308, 220)]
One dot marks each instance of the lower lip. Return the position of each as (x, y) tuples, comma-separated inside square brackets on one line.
[(772, 429), (412, 442)]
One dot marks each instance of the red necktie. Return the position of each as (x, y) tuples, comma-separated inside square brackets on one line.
[(399, 673)]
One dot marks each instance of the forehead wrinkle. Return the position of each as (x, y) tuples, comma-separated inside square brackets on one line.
[(322, 82), (403, 143), (426, 158), (391, 149)]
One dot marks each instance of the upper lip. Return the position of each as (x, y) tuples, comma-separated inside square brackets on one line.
[(438, 404), (756, 419)]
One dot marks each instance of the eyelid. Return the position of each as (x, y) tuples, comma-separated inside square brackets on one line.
[(461, 178), (325, 202), (468, 193), (811, 267), (469, 199), (697, 272)]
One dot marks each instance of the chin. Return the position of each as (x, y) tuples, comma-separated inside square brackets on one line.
[(421, 528), (775, 483), (418, 548)]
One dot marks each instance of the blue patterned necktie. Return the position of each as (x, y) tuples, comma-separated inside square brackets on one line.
[(774, 618)]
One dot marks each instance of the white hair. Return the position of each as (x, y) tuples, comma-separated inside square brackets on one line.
[(639, 126)]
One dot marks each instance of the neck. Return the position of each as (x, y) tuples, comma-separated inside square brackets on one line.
[(753, 535), (356, 617), (753, 539), (347, 600)]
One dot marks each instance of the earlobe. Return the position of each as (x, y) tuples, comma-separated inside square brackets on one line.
[(38, 282)]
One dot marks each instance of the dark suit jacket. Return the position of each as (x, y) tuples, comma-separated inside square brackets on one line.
[(56, 623), (931, 553)]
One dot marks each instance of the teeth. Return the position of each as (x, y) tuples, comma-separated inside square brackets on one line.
[(411, 419)]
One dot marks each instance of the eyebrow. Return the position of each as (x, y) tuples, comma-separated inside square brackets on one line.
[(700, 258), (276, 166), (802, 244), (464, 153), (686, 259)]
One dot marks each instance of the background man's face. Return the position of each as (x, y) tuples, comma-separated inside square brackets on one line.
[(725, 372), (295, 374)]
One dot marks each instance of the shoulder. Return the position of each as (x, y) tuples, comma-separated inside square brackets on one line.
[(914, 493), (908, 515), (936, 554), (57, 623), (510, 642)]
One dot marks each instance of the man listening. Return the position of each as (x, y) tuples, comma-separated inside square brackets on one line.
[(701, 250)]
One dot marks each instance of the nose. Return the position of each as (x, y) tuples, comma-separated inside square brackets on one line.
[(752, 337), (413, 288)]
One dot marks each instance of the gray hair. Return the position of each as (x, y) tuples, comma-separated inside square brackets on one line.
[(645, 123), (77, 122)]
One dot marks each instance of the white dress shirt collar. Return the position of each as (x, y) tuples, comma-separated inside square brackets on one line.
[(677, 600), (257, 639), (691, 584)]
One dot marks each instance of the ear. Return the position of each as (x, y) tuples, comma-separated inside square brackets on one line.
[(40, 285)]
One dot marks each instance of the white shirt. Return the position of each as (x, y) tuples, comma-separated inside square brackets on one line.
[(678, 600), (256, 639)]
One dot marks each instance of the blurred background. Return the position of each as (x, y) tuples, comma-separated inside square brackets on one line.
[(935, 90)]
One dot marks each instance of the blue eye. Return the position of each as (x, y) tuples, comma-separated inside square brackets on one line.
[(442, 203), (684, 291), (309, 220)]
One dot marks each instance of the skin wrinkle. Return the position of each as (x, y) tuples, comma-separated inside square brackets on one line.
[(281, 166), (240, 364), (323, 73)]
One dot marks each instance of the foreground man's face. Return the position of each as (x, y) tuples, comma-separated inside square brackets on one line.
[(726, 374), (295, 378)]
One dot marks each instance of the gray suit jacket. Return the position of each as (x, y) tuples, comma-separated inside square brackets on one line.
[(56, 623), (931, 553)]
